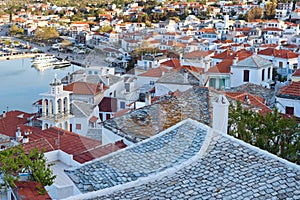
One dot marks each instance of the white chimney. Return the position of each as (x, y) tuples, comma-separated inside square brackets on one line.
[(185, 76), (25, 140), (18, 133), (235, 60), (107, 80), (201, 82), (220, 114), (148, 99), (101, 86)]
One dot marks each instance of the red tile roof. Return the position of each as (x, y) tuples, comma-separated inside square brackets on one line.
[(93, 119), (155, 72), (253, 99), (27, 190), (222, 67), (297, 72), (83, 88), (11, 120), (230, 54), (282, 53), (57, 138), (197, 54), (174, 63), (272, 29), (290, 91), (99, 152), (121, 112)]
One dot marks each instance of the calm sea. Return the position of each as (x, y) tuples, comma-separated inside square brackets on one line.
[(21, 84)]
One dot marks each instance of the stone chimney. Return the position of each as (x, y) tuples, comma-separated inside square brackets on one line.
[(148, 99), (220, 114)]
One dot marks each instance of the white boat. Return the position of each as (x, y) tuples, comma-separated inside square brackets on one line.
[(43, 58), (61, 64)]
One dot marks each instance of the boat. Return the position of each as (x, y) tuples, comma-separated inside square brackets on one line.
[(43, 58), (60, 64)]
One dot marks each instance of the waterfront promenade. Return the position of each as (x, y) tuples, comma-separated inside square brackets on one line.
[(16, 56)]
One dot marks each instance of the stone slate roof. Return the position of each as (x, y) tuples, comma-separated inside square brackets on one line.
[(82, 109), (166, 150), (254, 61), (164, 113), (223, 168), (178, 77)]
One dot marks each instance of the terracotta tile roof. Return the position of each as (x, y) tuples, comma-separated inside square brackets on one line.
[(198, 70), (122, 112), (155, 72), (230, 54), (66, 141), (254, 100), (99, 152), (83, 88), (291, 91), (11, 120), (297, 72), (257, 90), (269, 45), (27, 190), (282, 53), (93, 119), (272, 29), (197, 54), (222, 67), (108, 104), (174, 63)]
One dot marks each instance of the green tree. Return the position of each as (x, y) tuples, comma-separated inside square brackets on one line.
[(270, 10), (14, 161), (105, 29), (46, 33), (254, 13), (272, 132), (14, 30)]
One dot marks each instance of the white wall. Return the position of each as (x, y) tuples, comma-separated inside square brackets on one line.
[(283, 102), (255, 76), (84, 125)]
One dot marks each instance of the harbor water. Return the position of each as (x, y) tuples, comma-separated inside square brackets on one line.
[(21, 83)]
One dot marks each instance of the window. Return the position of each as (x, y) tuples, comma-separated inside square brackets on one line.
[(263, 75), (280, 64), (101, 116), (107, 116), (212, 82), (127, 87), (78, 126), (151, 82), (122, 105), (246, 75), (289, 110), (269, 72)]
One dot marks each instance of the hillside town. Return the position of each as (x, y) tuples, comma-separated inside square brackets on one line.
[(174, 100)]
